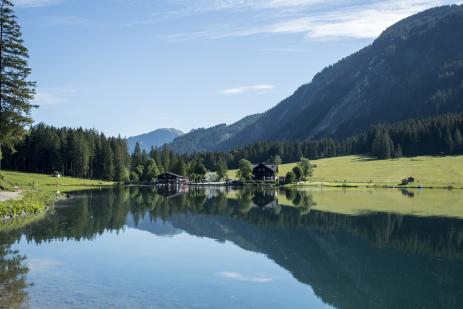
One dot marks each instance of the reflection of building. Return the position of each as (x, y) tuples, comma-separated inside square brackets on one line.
[(265, 172), (265, 199), (172, 190), (171, 178)]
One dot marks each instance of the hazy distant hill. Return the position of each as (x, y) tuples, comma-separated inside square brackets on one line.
[(155, 138), (415, 68), (208, 139)]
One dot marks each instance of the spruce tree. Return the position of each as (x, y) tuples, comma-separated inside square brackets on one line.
[(222, 169), (16, 91), (398, 152), (457, 141)]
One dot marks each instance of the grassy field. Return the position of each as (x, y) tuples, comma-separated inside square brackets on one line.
[(39, 192), (40, 182), (365, 171)]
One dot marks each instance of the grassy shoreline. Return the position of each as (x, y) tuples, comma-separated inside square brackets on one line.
[(39, 192)]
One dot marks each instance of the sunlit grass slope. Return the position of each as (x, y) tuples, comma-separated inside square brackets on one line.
[(40, 182), (425, 202), (428, 171)]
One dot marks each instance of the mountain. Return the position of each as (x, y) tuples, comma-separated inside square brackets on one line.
[(413, 69), (208, 139), (155, 138)]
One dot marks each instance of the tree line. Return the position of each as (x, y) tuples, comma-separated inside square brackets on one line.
[(90, 154), (436, 135), (72, 152)]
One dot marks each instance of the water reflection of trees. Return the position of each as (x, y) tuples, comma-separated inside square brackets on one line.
[(327, 251), (13, 282), (91, 214)]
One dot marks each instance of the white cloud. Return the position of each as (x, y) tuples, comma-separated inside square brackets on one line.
[(284, 50), (337, 19), (259, 88), (53, 96), (240, 277), (65, 21)]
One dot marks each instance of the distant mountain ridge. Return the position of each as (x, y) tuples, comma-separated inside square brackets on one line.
[(156, 138), (209, 139)]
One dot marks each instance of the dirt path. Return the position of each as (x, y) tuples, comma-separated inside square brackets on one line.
[(5, 195)]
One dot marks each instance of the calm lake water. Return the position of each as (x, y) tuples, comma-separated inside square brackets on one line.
[(222, 248)]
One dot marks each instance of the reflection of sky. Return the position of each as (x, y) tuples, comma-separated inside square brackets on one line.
[(139, 269)]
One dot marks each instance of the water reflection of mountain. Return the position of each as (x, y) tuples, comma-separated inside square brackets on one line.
[(376, 260)]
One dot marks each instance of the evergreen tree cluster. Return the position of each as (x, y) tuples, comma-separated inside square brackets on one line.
[(437, 135), (90, 154), (16, 90), (72, 152)]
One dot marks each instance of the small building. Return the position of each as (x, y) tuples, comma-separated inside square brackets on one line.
[(56, 174), (171, 178), (265, 172)]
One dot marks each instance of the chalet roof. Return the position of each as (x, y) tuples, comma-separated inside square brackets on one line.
[(273, 167), (171, 174)]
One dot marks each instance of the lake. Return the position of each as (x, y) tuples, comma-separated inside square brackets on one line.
[(196, 247)]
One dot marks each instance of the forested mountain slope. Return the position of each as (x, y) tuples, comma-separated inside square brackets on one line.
[(414, 69), (207, 139)]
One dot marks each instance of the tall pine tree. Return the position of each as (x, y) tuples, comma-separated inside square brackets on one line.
[(16, 91)]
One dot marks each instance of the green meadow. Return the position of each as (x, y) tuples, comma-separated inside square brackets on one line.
[(41, 182), (38, 192), (438, 172)]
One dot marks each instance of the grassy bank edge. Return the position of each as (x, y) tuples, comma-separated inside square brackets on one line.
[(40, 193), (31, 203)]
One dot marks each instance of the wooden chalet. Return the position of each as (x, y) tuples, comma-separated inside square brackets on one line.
[(171, 178), (265, 172)]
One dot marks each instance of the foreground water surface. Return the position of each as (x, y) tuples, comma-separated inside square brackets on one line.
[(227, 248)]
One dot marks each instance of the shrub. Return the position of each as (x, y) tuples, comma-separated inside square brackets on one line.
[(31, 203)]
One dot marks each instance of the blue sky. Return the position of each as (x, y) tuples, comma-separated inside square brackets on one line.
[(131, 66)]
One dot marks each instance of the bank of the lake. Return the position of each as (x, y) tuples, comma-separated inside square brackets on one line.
[(38, 192), (429, 172)]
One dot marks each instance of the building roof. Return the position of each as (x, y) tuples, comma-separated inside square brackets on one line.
[(172, 174), (273, 167)]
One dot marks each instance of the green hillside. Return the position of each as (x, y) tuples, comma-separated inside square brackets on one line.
[(360, 170)]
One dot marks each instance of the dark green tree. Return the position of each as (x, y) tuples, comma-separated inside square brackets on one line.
[(137, 156), (398, 153), (383, 147), (222, 169), (457, 141), (197, 171), (244, 169), (306, 168), (290, 177), (150, 171), (297, 171), (16, 91)]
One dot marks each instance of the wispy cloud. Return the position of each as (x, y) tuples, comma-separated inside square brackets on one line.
[(54, 96), (259, 88), (284, 50), (240, 277), (333, 20), (35, 3), (67, 20)]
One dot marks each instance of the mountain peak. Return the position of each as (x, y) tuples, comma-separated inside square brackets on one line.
[(155, 138)]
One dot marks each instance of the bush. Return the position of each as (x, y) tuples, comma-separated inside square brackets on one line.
[(290, 177), (4, 184), (31, 203)]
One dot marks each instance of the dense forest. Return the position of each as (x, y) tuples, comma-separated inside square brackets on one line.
[(72, 152), (90, 154)]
